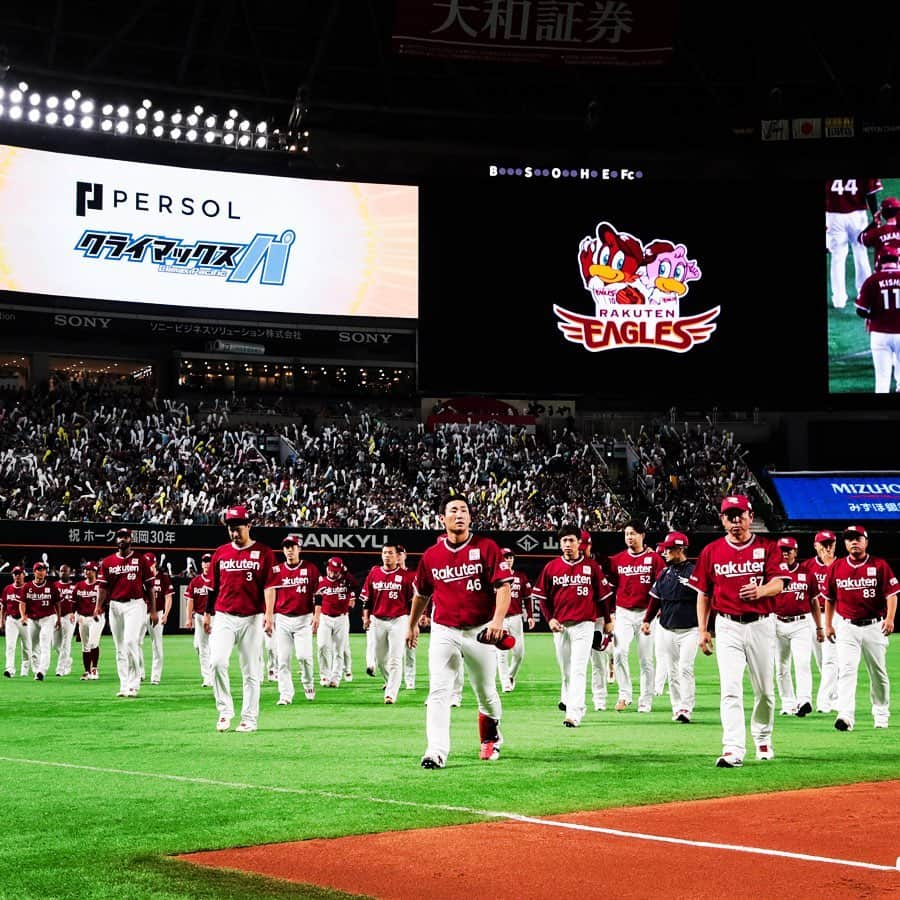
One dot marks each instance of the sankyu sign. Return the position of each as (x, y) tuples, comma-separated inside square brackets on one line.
[(111, 230), (840, 497)]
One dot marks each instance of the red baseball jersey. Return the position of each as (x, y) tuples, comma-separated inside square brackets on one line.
[(633, 574), (818, 570), (295, 587), (724, 568), (575, 591), (86, 597), (66, 591), (520, 596), (844, 195), (794, 599), (881, 236), (461, 580), (860, 589), (125, 577), (239, 577), (40, 599), (333, 596), (387, 594), (879, 299), (11, 597), (161, 585), (196, 591)]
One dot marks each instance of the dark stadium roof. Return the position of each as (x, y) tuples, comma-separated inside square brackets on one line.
[(731, 66)]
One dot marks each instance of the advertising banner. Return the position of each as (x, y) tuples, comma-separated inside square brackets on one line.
[(839, 498)]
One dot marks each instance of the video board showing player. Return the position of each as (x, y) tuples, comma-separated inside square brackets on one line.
[(862, 277)]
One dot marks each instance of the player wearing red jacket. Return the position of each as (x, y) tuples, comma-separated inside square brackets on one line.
[(11, 618), (239, 571), (879, 304), (62, 637), (467, 579), (574, 594), (163, 593), (825, 652), (510, 661), (333, 599), (90, 627), (39, 607), (195, 597), (860, 605)]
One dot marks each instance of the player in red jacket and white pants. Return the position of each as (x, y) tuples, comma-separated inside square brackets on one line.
[(334, 598), (737, 576), (11, 617), (825, 653), (467, 578), (510, 661), (860, 605), (195, 597)]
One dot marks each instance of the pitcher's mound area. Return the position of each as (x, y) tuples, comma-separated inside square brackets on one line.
[(846, 826)]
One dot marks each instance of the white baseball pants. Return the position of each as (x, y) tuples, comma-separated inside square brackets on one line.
[(156, 649), (869, 643), (573, 649), (510, 661), (201, 645), (676, 651), (90, 631), (294, 637), (127, 621), (62, 643), (245, 633), (409, 667), (660, 673), (843, 233), (370, 648), (600, 660), (747, 645), (826, 660), (388, 640), (41, 632), (627, 628), (270, 646), (793, 642), (885, 359), (445, 661), (334, 632), (15, 632)]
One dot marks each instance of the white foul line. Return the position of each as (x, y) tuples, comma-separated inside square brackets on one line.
[(490, 814)]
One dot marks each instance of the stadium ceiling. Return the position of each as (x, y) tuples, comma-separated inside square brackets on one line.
[(731, 66)]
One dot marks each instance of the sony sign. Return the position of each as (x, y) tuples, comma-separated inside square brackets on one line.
[(62, 320), (364, 337)]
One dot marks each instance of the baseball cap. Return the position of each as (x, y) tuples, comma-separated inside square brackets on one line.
[(585, 537), (857, 530), (91, 565), (787, 543), (736, 502), (207, 557), (890, 203), (150, 559), (39, 565), (401, 548), (506, 551), (335, 562), (824, 537), (237, 514), (292, 540), (18, 570), (674, 539), (123, 532)]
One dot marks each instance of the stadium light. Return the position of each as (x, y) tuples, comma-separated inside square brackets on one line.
[(52, 102), (122, 126), (34, 115), (87, 106), (16, 96), (107, 109), (51, 118), (106, 125), (34, 98), (87, 122), (68, 120), (175, 134), (15, 112), (191, 134)]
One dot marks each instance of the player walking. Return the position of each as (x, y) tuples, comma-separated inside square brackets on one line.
[(195, 596), (409, 653), (510, 661), (87, 592), (879, 304), (824, 651), (467, 579), (862, 590), (737, 576), (11, 616), (331, 621), (163, 592), (62, 637), (39, 608), (846, 202)]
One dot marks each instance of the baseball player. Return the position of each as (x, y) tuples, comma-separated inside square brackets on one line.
[(603, 670), (11, 618), (62, 637), (467, 579), (846, 202), (632, 573), (39, 608), (574, 594), (860, 605), (195, 596), (333, 600), (825, 652), (884, 230), (126, 585), (793, 638), (90, 628), (879, 304), (510, 661), (409, 653), (239, 572), (289, 616), (386, 597), (676, 602), (163, 592), (738, 576)]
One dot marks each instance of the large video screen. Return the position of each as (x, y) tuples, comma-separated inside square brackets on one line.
[(838, 497), (103, 229)]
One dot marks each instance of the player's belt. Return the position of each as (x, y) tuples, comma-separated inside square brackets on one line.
[(791, 618), (862, 622), (743, 618)]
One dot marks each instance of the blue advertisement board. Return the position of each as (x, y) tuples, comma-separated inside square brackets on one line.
[(841, 496)]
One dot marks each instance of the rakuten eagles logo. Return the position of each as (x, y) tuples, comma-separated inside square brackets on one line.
[(637, 291)]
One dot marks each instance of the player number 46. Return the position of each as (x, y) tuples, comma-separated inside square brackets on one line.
[(473, 584)]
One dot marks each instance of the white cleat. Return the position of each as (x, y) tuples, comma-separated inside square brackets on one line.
[(223, 724)]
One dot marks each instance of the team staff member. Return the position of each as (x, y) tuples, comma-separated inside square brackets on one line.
[(62, 637), (39, 608), (163, 592), (11, 620), (793, 638), (126, 586), (467, 579), (195, 596), (862, 590), (289, 617), (574, 594), (632, 573), (737, 576), (236, 598), (676, 603), (510, 661), (825, 652), (331, 620), (89, 628)]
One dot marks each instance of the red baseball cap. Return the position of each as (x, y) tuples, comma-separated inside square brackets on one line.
[(857, 530), (787, 543), (123, 532), (506, 551), (292, 540), (18, 570), (736, 502), (335, 562), (150, 559), (39, 565), (207, 557), (674, 539), (237, 514), (91, 565), (824, 537)]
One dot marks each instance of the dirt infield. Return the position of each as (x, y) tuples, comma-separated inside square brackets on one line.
[(557, 857)]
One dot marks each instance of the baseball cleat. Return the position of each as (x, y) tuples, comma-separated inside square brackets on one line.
[(506, 688), (622, 704), (223, 724), (122, 694), (490, 750), (7, 674), (59, 674), (804, 709), (323, 682), (348, 676), (765, 752), (787, 712), (599, 707), (283, 701), (881, 723), (332, 684), (561, 706), (842, 724), (570, 723), (245, 727), (86, 676), (389, 701), (643, 708), (370, 671), (310, 693), (432, 761), (456, 701), (155, 682), (729, 761), (131, 692), (683, 716)]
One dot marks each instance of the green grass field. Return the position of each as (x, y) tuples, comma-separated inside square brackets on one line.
[(101, 819)]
